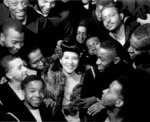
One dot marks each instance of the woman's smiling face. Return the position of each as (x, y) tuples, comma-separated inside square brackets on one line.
[(69, 62)]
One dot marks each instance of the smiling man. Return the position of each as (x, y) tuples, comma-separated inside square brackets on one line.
[(140, 47), (54, 11), (114, 21), (17, 9), (11, 37), (33, 90)]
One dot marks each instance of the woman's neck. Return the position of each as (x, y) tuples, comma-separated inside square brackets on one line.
[(69, 75), (72, 76)]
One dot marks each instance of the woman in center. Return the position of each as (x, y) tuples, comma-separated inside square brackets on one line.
[(64, 83)]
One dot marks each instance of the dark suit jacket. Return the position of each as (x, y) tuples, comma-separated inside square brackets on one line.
[(60, 18)]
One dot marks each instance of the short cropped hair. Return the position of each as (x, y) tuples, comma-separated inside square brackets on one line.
[(103, 2), (142, 34), (114, 46), (4, 63), (32, 48), (29, 79), (110, 3), (127, 92), (84, 23), (12, 23)]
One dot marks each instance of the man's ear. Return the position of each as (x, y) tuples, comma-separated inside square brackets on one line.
[(23, 92), (60, 60), (2, 37), (119, 103), (116, 60), (148, 51), (121, 16), (5, 2), (8, 74)]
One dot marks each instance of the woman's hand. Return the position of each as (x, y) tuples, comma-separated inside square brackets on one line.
[(49, 102)]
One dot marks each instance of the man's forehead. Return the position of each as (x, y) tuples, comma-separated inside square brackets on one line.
[(12, 30), (16, 0), (48, 0), (105, 52), (92, 40), (16, 62), (99, 7), (135, 42), (35, 53), (34, 56), (110, 9)]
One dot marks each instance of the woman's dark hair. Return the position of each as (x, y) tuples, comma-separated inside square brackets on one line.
[(84, 23), (69, 46), (29, 79)]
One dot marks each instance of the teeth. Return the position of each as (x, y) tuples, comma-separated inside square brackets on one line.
[(36, 100), (109, 26), (69, 67)]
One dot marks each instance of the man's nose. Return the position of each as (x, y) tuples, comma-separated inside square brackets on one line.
[(20, 7)]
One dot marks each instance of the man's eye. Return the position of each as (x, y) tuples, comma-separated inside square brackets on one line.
[(24, 3), (78, 32), (112, 15), (42, 91), (102, 59), (32, 91), (19, 68), (15, 3), (36, 62), (75, 58), (66, 57), (89, 47), (15, 42)]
